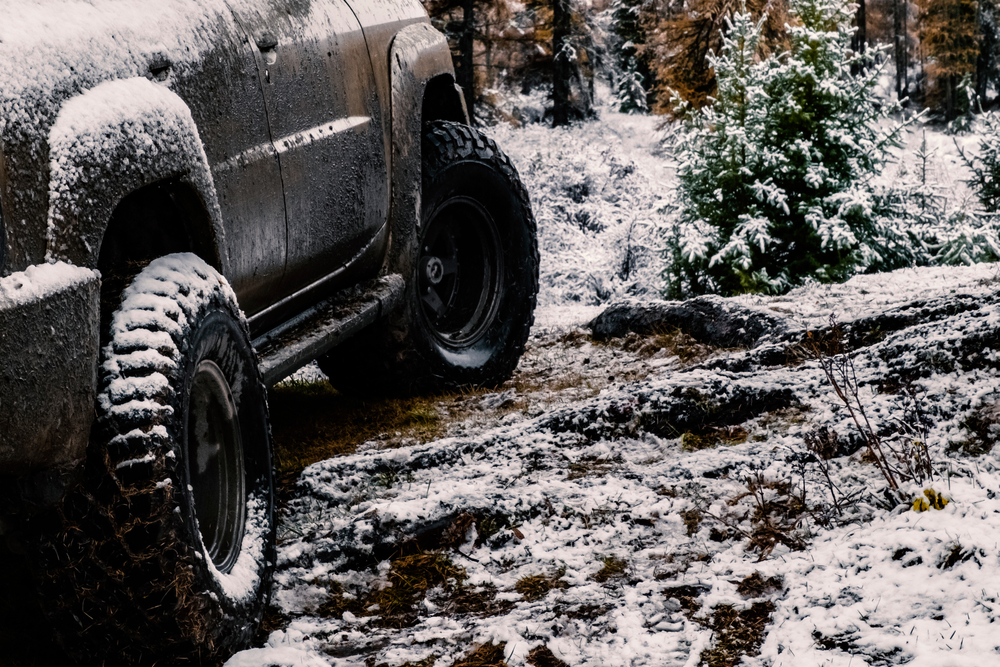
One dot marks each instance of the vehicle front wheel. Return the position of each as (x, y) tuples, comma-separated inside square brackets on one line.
[(473, 278), (165, 552)]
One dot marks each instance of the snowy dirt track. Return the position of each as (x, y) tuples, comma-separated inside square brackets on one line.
[(668, 499), (667, 517)]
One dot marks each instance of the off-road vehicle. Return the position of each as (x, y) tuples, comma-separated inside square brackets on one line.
[(197, 197)]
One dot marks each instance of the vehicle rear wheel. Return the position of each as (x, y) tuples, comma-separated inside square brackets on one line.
[(472, 284), (165, 552)]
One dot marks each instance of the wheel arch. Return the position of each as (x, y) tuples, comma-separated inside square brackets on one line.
[(165, 217), (443, 100), (423, 90), (129, 146)]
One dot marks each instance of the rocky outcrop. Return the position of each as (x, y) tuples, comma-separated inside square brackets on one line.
[(712, 320), (902, 356)]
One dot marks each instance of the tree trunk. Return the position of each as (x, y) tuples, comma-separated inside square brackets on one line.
[(899, 42), (987, 43), (860, 38), (562, 68), (465, 74), (949, 97), (488, 45)]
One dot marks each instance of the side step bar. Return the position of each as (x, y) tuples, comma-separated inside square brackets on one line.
[(293, 344)]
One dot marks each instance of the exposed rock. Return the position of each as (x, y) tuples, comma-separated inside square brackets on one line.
[(712, 320), (771, 340), (695, 402), (892, 351)]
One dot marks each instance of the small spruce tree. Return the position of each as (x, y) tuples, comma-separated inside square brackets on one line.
[(966, 105), (631, 95), (985, 163), (776, 172), (628, 27)]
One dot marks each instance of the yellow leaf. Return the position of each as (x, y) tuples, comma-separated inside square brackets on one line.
[(932, 500)]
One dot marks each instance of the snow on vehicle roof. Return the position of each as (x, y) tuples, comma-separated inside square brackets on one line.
[(53, 49)]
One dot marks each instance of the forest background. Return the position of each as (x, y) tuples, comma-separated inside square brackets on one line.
[(654, 52), (790, 125)]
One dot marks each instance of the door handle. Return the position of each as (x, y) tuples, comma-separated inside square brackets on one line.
[(159, 67), (267, 42)]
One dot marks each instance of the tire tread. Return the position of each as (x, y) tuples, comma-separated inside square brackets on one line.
[(116, 543)]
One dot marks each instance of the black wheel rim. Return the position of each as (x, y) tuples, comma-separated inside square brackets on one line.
[(460, 272), (216, 465)]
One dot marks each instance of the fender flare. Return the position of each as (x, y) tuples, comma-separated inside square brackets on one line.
[(418, 54), (109, 141)]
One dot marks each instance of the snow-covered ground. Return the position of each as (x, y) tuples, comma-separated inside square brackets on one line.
[(591, 529)]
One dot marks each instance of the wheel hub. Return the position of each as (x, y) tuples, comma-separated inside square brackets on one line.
[(433, 270), (216, 465), (460, 272)]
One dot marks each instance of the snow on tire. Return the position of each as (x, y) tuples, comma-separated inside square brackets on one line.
[(165, 552), (473, 282)]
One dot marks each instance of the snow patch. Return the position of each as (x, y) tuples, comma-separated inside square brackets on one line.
[(241, 583)]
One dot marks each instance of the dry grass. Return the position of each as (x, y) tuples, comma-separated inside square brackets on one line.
[(538, 380), (777, 509), (605, 515), (311, 421), (488, 525), (487, 655), (426, 662), (541, 656), (692, 520), (585, 612), (900, 459), (410, 578), (538, 586), (781, 421), (737, 633), (687, 596), (338, 603), (670, 342), (590, 467), (713, 436), (983, 426), (614, 568), (755, 586), (479, 602)]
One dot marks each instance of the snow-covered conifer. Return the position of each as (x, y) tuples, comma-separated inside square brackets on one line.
[(985, 164), (631, 96), (776, 173)]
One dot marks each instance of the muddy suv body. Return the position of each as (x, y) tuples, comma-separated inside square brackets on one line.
[(315, 156)]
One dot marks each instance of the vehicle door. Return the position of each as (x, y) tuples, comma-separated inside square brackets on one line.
[(223, 91), (326, 124)]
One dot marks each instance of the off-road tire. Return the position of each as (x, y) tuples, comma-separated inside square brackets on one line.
[(471, 286), (125, 565)]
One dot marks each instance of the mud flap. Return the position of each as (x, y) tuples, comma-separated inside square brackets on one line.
[(49, 319)]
